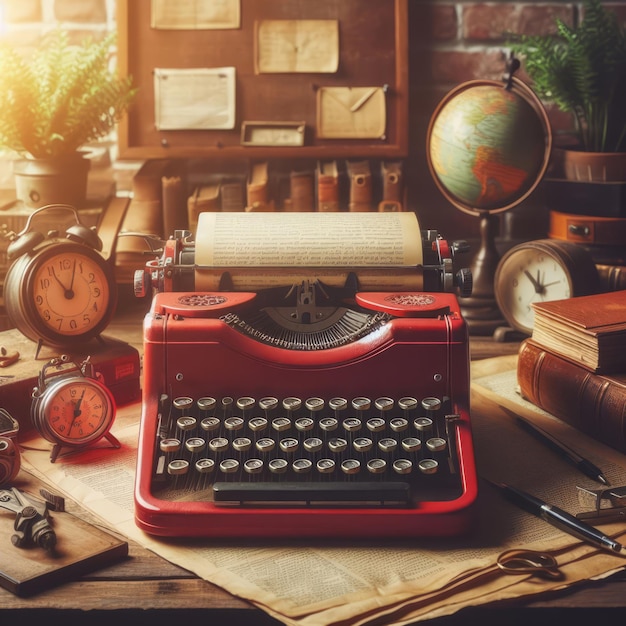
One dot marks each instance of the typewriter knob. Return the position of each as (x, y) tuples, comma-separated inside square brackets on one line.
[(464, 282), (460, 247)]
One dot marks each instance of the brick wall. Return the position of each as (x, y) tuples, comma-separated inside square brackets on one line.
[(450, 42)]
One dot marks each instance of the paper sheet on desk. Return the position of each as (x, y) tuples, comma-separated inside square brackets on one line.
[(313, 584)]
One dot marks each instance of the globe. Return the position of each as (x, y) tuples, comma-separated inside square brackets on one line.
[(487, 146)]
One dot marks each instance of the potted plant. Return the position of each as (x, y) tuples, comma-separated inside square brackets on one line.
[(582, 70), (52, 104)]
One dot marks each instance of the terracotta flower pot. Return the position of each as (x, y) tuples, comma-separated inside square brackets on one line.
[(60, 180), (594, 166)]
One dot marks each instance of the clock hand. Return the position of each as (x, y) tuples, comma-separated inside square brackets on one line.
[(68, 293), (554, 282), (536, 284), (71, 290)]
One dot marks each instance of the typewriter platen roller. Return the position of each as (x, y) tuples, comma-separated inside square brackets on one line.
[(305, 375)]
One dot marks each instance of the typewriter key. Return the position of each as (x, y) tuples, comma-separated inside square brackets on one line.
[(177, 467), (428, 466), (183, 403), (423, 424), (352, 425), (186, 423), (362, 444), (302, 466), (304, 424), (241, 444), (312, 444), (257, 424), (436, 444), (292, 404), (195, 444), (206, 403), (376, 424), (411, 444), (338, 404), (229, 466), (219, 444), (288, 444), (314, 404), (361, 404), (402, 466), (233, 423), (209, 424), (226, 404), (387, 444), (398, 424), (278, 466), (281, 424), (205, 466), (169, 445), (407, 403), (328, 424), (253, 466), (376, 466), (246, 403), (337, 444), (350, 466), (325, 466), (265, 444), (269, 403), (431, 404), (384, 404)]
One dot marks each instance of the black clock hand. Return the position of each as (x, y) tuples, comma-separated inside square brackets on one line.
[(68, 293), (77, 410), (71, 288), (536, 284)]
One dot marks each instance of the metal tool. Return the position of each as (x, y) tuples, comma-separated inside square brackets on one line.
[(605, 505), (529, 562), (32, 523)]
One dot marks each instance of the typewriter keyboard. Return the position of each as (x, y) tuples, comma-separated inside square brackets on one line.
[(307, 451)]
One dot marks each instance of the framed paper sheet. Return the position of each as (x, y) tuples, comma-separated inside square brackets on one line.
[(195, 14), (194, 98)]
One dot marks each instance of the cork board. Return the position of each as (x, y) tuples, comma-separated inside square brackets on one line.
[(372, 52)]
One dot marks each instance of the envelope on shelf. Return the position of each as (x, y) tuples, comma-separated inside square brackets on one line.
[(351, 112)]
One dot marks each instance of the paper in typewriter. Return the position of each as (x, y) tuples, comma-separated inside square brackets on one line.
[(261, 250)]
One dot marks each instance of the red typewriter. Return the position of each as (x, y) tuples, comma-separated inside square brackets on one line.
[(305, 375)]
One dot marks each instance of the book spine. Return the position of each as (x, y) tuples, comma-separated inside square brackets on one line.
[(174, 204), (612, 277), (592, 403)]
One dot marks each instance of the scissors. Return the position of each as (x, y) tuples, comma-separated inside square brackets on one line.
[(529, 562)]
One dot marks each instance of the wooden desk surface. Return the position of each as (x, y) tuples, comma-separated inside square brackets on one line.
[(147, 589)]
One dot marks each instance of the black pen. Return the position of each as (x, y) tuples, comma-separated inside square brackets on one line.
[(559, 518), (583, 464)]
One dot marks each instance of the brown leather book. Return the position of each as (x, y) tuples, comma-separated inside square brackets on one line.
[(327, 187), (360, 177), (233, 194), (203, 198), (393, 181), (302, 191), (257, 189), (174, 201), (589, 330), (595, 404)]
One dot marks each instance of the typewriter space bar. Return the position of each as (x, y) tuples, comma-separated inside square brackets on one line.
[(312, 494)]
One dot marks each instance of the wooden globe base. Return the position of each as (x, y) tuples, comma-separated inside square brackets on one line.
[(480, 310)]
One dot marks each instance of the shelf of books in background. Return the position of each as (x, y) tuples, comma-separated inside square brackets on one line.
[(574, 364), (169, 194)]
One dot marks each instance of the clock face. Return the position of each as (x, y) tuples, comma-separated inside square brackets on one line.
[(528, 275), (70, 291), (77, 412)]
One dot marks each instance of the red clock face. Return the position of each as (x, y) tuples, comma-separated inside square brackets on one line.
[(70, 292), (78, 412)]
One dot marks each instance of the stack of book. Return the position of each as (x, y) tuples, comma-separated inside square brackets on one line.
[(574, 364)]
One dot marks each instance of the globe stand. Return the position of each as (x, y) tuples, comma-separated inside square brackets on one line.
[(480, 310)]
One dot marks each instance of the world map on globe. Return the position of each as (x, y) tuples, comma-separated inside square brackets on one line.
[(487, 147)]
